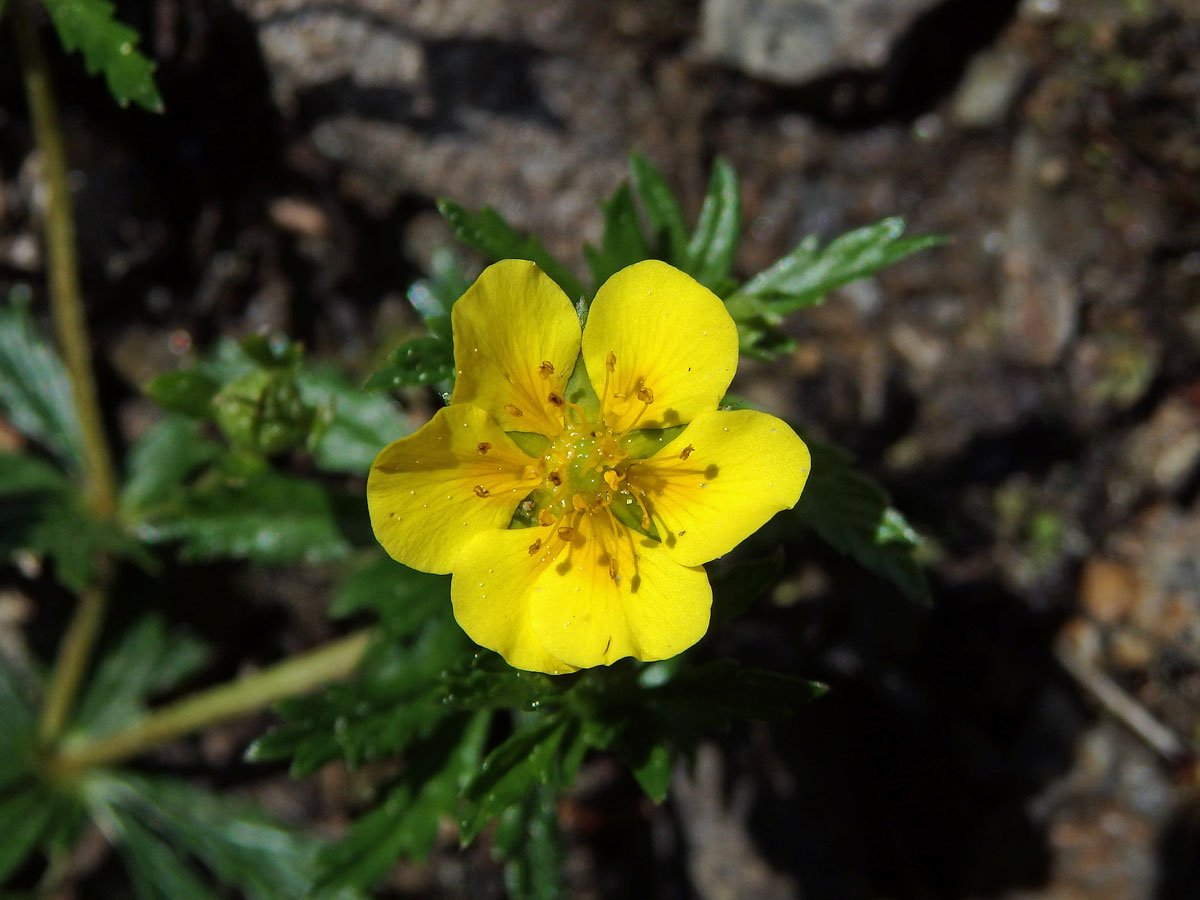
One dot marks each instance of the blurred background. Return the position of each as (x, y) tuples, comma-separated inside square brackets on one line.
[(1029, 393)]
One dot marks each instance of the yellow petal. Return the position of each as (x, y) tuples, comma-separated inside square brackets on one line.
[(720, 480), (458, 475), (490, 591), (516, 338), (578, 612), (667, 338)]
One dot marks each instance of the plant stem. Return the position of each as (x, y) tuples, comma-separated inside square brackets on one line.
[(62, 268), (247, 694), (66, 303)]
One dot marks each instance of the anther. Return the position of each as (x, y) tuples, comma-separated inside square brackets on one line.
[(530, 472), (546, 369), (612, 570), (610, 361), (579, 503), (645, 523), (612, 478), (646, 395), (555, 400), (535, 546), (512, 410), (545, 517), (483, 447), (481, 491), (686, 452), (555, 479), (567, 533)]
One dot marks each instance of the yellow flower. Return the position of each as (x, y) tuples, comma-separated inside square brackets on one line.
[(609, 561)]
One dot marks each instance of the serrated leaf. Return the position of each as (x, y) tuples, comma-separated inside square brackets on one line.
[(35, 392), (722, 691), (529, 840), (735, 588), (62, 530), (270, 519), (667, 229), (433, 297), (526, 759), (188, 392), (361, 425), (162, 459), (404, 598), (421, 361), (804, 276), (237, 843), (108, 46), (406, 822), (394, 701), (622, 243), (149, 659), (490, 683), (711, 250), (25, 815), (488, 233), (851, 513)]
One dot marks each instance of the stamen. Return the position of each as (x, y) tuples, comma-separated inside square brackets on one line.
[(545, 517), (645, 395), (535, 546), (612, 570), (512, 410), (483, 447), (556, 399), (610, 361), (481, 491), (567, 533), (579, 503), (546, 369), (555, 479), (529, 473), (612, 478), (686, 452)]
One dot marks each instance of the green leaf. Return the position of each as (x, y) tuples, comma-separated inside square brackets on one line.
[(622, 244), (653, 772), (423, 360), (24, 474), (719, 692), (395, 700), (433, 297), (107, 46), (488, 233), (61, 529), (17, 738), (270, 519), (35, 392), (527, 758), (404, 598), (667, 229), (157, 820), (362, 424), (735, 588), (530, 842), (710, 252), (490, 683), (149, 659), (25, 816), (188, 392), (808, 273), (406, 822), (161, 460), (851, 513)]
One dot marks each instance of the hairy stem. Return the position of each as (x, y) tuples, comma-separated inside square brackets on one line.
[(247, 694), (66, 302), (62, 267)]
